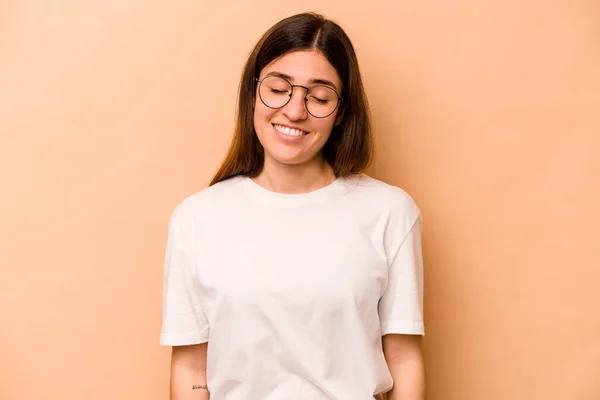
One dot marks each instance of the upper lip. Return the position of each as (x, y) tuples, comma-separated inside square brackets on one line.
[(291, 127)]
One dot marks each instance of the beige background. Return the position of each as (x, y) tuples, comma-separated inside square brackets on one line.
[(487, 112)]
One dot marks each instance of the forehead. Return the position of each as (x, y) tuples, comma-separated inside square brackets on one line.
[(304, 67)]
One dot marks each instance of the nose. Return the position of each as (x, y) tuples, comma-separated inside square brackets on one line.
[(295, 109)]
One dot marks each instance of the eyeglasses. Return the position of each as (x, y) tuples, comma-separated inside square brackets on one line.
[(320, 101)]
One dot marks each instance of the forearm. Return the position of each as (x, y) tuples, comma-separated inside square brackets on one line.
[(188, 383), (188, 372), (409, 380)]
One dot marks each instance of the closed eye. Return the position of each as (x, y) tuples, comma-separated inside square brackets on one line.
[(318, 100)]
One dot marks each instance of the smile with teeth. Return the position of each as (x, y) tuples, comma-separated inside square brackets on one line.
[(289, 131)]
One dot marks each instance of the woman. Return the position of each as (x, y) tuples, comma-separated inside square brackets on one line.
[(295, 276)]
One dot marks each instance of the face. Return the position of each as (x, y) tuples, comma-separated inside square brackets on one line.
[(290, 134)]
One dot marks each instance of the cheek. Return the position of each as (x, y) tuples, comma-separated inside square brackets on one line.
[(325, 126), (261, 118), (261, 112)]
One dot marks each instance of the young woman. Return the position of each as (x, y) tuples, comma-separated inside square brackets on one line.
[(295, 276)]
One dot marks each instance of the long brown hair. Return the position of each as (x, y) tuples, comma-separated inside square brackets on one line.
[(349, 149)]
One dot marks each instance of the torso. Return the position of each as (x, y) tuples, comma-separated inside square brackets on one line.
[(290, 288)]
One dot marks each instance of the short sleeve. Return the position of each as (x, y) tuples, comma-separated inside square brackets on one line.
[(184, 321), (401, 306)]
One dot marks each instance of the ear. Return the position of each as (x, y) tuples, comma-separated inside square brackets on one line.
[(339, 118)]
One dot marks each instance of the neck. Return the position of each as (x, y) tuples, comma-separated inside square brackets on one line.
[(295, 179)]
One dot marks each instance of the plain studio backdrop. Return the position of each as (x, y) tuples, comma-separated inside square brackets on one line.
[(486, 112)]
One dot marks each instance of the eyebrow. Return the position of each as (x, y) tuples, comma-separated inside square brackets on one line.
[(316, 81)]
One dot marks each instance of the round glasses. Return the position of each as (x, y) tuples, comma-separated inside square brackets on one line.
[(320, 100)]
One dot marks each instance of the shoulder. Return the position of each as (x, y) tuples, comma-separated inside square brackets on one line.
[(395, 208), (207, 201), (386, 197)]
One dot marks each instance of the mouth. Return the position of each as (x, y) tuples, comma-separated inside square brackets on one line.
[(289, 132)]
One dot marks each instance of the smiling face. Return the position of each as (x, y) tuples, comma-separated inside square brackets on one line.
[(290, 135)]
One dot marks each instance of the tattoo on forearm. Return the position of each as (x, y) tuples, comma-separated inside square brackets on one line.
[(196, 387)]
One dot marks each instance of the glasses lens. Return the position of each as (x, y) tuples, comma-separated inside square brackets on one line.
[(321, 101), (275, 92)]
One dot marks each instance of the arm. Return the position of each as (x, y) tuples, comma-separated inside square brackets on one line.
[(185, 327), (188, 371), (404, 357)]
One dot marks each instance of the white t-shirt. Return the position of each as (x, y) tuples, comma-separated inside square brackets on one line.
[(293, 292)]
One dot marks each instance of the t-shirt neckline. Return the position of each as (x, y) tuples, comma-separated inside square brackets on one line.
[(335, 187)]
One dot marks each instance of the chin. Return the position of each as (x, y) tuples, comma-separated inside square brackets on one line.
[(288, 159)]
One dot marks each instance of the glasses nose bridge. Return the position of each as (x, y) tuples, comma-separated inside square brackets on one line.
[(300, 86), (304, 97)]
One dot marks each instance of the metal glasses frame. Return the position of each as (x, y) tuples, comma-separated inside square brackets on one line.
[(260, 81)]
